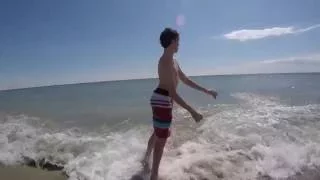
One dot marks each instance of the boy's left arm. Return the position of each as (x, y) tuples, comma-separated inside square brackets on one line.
[(194, 85)]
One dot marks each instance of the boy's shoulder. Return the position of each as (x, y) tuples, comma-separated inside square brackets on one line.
[(166, 60)]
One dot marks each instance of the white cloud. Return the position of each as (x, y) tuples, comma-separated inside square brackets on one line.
[(253, 34), (306, 63), (309, 59)]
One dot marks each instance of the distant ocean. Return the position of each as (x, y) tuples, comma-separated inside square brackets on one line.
[(260, 127)]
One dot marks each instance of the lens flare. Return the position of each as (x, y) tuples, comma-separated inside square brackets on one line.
[(180, 20)]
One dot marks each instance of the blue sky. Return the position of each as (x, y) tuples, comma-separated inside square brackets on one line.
[(44, 42)]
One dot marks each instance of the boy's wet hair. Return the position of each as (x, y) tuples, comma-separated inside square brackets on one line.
[(167, 36)]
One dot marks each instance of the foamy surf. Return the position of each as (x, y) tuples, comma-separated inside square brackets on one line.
[(257, 138), (112, 156)]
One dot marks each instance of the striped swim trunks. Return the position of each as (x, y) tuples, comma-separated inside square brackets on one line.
[(161, 104)]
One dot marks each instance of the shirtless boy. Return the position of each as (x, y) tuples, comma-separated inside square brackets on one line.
[(163, 96)]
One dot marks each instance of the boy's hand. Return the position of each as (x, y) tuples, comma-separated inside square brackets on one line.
[(213, 93), (196, 116)]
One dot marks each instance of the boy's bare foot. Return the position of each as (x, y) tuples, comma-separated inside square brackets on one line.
[(145, 165)]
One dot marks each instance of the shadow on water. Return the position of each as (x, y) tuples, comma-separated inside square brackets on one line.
[(143, 174), (139, 176)]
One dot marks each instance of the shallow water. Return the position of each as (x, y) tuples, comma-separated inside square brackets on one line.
[(261, 127)]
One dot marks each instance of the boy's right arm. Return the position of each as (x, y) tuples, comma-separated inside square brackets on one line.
[(172, 89), (195, 115), (177, 98)]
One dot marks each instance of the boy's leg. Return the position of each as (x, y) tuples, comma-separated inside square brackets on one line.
[(162, 115), (149, 150), (157, 155)]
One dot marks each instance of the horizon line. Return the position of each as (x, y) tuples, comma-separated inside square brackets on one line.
[(149, 78)]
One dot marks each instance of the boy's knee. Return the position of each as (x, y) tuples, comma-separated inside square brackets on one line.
[(161, 141), (162, 133)]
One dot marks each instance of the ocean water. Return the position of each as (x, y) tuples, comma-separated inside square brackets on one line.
[(260, 127)]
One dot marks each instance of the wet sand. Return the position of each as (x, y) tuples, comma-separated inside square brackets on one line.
[(28, 173)]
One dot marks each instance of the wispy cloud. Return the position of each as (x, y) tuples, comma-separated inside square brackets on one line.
[(254, 34), (294, 64), (313, 59)]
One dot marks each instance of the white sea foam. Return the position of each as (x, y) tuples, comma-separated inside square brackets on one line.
[(258, 137), (113, 156)]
